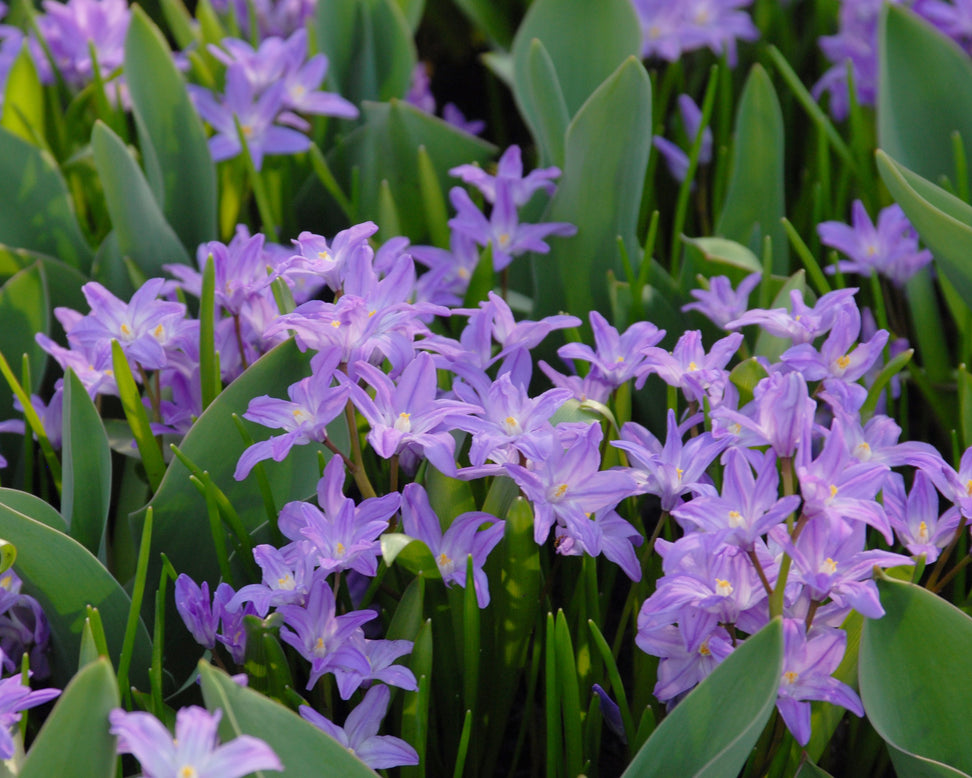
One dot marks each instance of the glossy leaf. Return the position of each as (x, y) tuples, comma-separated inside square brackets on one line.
[(142, 232), (902, 675), (586, 43), (494, 17), (86, 458), (35, 507), (942, 220), (412, 11), (924, 94), (170, 125), (65, 578), (80, 719), (385, 148), (727, 252), (755, 202), (410, 553), (606, 152), (301, 746), (698, 737), (36, 211)]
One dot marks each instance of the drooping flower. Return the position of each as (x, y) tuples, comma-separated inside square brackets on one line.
[(194, 752)]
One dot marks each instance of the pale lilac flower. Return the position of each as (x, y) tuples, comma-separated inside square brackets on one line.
[(675, 158), (314, 403), (380, 656), (670, 470), (916, 518), (509, 175), (16, 696), (195, 749), (567, 486), (195, 607), (681, 669), (463, 538), (800, 323), (616, 538), (697, 373), (286, 579), (323, 638), (889, 248), (836, 357), (747, 507), (359, 735), (809, 661), (617, 357), (408, 415), (855, 44), (326, 261), (672, 27), (720, 302), (257, 117)]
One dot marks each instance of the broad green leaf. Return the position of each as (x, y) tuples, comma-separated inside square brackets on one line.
[(911, 766), (745, 376), (142, 232), (727, 252), (810, 770), (942, 220), (75, 739), (586, 43), (173, 129), (607, 153), (24, 311), (924, 94), (542, 90), (412, 11), (917, 693), (303, 748), (23, 100), (702, 737), (181, 528), (86, 458), (36, 211), (755, 202), (385, 148), (33, 506), (369, 47), (63, 281), (65, 578), (407, 619), (410, 553)]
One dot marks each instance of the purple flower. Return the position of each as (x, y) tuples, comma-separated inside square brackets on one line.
[(286, 579), (697, 373), (16, 696), (567, 486), (676, 159), (618, 357), (809, 661), (323, 638), (409, 415), (890, 248), (339, 535), (673, 469), (195, 606), (915, 517), (146, 328), (835, 359), (615, 537), (503, 230), (509, 175), (195, 749), (360, 732), (719, 302), (257, 117), (747, 508), (856, 44), (320, 260), (462, 539), (671, 27), (680, 669), (69, 29), (801, 323), (314, 403)]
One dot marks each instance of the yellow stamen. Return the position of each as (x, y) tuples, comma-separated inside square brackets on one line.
[(559, 491), (723, 588), (843, 362)]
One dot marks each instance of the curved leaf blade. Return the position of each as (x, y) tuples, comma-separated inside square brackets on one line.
[(75, 739), (903, 677), (698, 738), (174, 131)]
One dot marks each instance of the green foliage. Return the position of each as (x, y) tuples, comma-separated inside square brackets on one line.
[(918, 714), (700, 737)]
